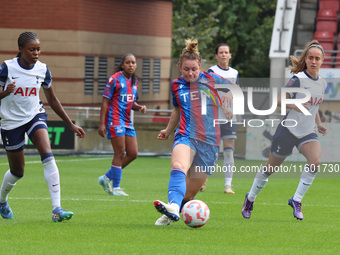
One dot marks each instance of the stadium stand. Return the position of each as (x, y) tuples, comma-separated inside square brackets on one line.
[(329, 5), (327, 20)]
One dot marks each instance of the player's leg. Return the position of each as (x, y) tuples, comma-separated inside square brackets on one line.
[(181, 158), (114, 174), (228, 163), (131, 146), (117, 138), (259, 183), (282, 146), (40, 138), (312, 152), (194, 183), (13, 142)]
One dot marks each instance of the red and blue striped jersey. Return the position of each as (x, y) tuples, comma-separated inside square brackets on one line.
[(198, 103), (122, 94)]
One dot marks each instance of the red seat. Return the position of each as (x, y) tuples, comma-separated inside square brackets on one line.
[(329, 5), (327, 20), (325, 38), (327, 61)]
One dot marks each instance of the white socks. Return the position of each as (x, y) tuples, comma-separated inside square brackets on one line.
[(8, 184), (228, 164), (306, 180), (260, 181), (51, 174)]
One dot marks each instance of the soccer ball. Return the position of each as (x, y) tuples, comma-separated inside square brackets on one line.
[(195, 213)]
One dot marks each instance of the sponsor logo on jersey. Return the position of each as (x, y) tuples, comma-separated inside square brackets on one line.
[(26, 92)]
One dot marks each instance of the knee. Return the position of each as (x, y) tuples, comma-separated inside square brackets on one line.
[(133, 155)]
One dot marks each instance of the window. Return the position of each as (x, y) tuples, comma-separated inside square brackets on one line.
[(146, 75), (117, 62), (156, 81), (89, 75), (102, 74)]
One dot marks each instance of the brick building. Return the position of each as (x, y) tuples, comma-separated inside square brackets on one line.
[(82, 40)]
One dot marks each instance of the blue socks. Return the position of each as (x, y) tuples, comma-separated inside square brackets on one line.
[(177, 186), (115, 174)]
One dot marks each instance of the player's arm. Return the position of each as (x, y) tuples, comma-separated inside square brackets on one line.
[(172, 124), (103, 109), (137, 107), (56, 106), (9, 89), (321, 128)]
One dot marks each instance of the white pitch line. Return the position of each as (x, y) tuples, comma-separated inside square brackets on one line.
[(149, 201), (62, 160)]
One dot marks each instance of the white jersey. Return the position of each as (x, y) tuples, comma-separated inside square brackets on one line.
[(23, 104), (232, 75), (305, 123)]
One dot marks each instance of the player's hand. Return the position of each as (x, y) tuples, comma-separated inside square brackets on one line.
[(79, 131), (322, 129), (227, 99), (102, 130), (10, 88), (227, 112), (143, 109), (163, 135)]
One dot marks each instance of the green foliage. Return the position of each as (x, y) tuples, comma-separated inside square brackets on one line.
[(245, 25)]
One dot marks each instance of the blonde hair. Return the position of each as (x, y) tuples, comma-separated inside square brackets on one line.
[(299, 65), (190, 51)]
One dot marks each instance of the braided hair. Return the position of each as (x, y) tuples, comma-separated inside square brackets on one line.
[(24, 38), (119, 68)]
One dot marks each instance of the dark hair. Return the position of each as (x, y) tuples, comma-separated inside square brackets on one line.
[(222, 44), (24, 38), (119, 68)]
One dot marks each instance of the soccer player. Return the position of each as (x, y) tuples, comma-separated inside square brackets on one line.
[(115, 123), (300, 133), (228, 131), (196, 141), (23, 112)]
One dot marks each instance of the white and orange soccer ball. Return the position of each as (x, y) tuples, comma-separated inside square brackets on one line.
[(195, 213)]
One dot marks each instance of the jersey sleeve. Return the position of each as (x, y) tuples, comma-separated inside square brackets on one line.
[(210, 71), (237, 80), (174, 101), (294, 82), (136, 89), (48, 79), (3, 74), (109, 87)]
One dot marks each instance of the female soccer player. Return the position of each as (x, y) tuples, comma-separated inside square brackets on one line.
[(119, 98), (302, 135), (23, 112), (196, 141), (228, 131)]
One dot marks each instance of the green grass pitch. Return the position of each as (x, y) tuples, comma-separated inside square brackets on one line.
[(104, 224)]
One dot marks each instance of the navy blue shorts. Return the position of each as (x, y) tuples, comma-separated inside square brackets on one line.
[(228, 130), (14, 140), (206, 155), (284, 142)]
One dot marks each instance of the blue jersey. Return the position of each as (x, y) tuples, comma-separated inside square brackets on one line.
[(122, 94), (198, 103)]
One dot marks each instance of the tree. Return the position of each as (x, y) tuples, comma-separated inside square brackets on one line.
[(245, 25)]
